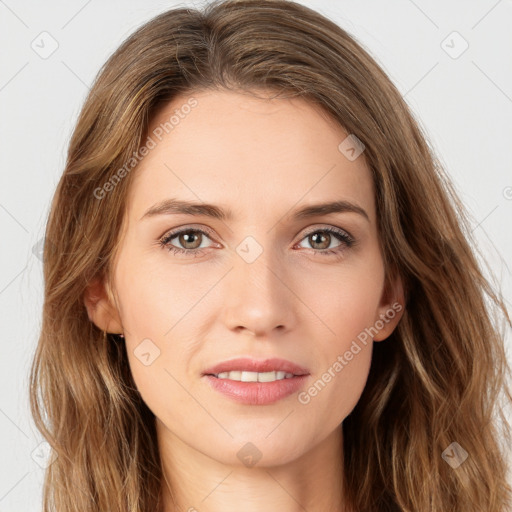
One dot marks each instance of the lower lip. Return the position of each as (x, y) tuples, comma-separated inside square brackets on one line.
[(257, 393)]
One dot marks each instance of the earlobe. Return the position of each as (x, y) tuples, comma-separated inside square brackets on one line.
[(390, 310), (100, 309)]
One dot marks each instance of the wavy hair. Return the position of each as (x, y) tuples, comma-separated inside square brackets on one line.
[(439, 377)]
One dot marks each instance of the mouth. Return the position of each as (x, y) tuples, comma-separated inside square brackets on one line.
[(246, 376), (254, 382), (245, 369)]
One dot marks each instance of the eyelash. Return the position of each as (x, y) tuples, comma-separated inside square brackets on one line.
[(347, 241)]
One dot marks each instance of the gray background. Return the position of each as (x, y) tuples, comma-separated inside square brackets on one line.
[(463, 100)]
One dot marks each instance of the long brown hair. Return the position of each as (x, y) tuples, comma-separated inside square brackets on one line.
[(438, 379)]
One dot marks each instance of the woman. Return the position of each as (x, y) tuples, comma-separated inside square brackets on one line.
[(199, 351)]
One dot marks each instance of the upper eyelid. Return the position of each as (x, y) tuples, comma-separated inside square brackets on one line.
[(171, 233)]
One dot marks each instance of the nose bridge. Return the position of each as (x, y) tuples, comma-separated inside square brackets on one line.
[(257, 297), (257, 264)]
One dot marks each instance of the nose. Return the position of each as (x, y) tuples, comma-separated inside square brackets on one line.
[(258, 295)]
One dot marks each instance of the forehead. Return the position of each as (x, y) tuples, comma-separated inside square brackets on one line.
[(248, 153)]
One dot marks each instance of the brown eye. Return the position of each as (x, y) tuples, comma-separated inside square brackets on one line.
[(321, 239), (190, 241)]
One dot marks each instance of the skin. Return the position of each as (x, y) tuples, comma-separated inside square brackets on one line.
[(261, 158)]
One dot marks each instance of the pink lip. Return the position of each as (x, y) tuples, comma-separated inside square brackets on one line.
[(257, 393), (253, 365)]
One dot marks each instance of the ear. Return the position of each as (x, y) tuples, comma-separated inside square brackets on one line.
[(391, 308), (100, 307)]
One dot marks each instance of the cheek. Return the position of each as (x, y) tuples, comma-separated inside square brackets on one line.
[(346, 302), (156, 297), (335, 389), (343, 299), (159, 309)]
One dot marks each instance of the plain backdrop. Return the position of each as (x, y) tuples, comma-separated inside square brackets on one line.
[(450, 60)]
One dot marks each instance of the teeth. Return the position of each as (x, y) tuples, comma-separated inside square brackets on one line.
[(254, 376)]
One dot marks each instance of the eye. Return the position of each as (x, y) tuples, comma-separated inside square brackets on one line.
[(322, 238), (190, 239)]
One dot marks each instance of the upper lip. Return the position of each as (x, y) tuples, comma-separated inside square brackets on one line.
[(254, 365)]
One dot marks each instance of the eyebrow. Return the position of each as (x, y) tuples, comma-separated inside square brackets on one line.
[(176, 206)]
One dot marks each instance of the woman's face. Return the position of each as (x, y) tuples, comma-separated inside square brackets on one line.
[(254, 278)]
